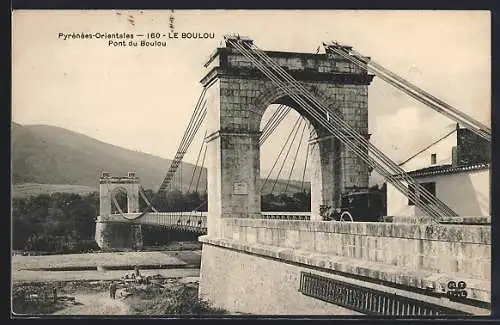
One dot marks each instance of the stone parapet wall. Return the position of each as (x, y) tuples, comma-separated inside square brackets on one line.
[(464, 251), (264, 279), (464, 220)]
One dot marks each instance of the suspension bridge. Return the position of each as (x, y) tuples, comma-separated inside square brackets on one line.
[(295, 262)]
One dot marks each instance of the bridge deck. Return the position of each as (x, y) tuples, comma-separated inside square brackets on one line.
[(188, 221)]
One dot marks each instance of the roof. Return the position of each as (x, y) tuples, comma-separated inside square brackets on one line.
[(446, 169)]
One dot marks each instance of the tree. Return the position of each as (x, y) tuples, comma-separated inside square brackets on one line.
[(53, 223)]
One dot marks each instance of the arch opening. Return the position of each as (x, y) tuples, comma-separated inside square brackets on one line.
[(121, 196), (316, 156), (284, 173)]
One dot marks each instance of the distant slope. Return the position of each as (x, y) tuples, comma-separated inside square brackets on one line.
[(281, 185), (68, 161), (32, 189), (52, 155)]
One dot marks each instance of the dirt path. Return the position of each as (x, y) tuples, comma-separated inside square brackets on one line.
[(96, 304)]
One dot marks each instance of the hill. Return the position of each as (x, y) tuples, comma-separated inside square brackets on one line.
[(45, 154), (34, 189), (48, 159)]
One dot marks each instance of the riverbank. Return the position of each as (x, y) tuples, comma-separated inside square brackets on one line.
[(78, 284), (104, 266), (161, 297)]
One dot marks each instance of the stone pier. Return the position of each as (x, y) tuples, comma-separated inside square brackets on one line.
[(238, 94), (113, 235)]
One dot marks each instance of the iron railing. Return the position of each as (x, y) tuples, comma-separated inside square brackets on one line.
[(366, 300)]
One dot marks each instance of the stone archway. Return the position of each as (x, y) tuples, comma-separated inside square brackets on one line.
[(237, 96), (324, 149), (109, 185)]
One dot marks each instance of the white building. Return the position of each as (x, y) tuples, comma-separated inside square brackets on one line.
[(455, 169)]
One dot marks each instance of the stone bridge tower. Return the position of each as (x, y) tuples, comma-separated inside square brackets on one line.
[(113, 235), (237, 96)]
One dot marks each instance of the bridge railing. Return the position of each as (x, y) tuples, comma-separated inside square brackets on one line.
[(182, 217), (286, 215), (176, 219)]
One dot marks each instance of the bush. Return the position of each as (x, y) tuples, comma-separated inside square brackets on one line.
[(177, 299)]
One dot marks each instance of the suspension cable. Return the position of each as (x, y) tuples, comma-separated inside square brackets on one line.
[(390, 162), (304, 172), (362, 154), (199, 206), (427, 147), (413, 91), (271, 119), (196, 120), (279, 119), (198, 181), (273, 125), (477, 124), (145, 198), (193, 117), (328, 125), (197, 160), (183, 148), (295, 158), (279, 155), (201, 168), (115, 201), (287, 153)]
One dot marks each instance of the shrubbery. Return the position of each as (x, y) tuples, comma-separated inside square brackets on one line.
[(43, 304), (177, 299), (65, 223), (58, 223)]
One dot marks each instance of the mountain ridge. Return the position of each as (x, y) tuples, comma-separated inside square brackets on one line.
[(52, 155)]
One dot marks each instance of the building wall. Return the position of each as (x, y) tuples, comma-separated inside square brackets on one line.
[(467, 193), (472, 148)]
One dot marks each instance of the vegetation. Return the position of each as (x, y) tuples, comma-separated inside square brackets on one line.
[(298, 202), (172, 298), (65, 222), (33, 189), (56, 223), (33, 299), (176, 299), (37, 298)]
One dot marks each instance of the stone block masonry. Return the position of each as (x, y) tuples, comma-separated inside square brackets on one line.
[(111, 236), (244, 283), (456, 249), (267, 257), (237, 96)]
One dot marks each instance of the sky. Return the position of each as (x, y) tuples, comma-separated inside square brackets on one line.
[(142, 98)]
